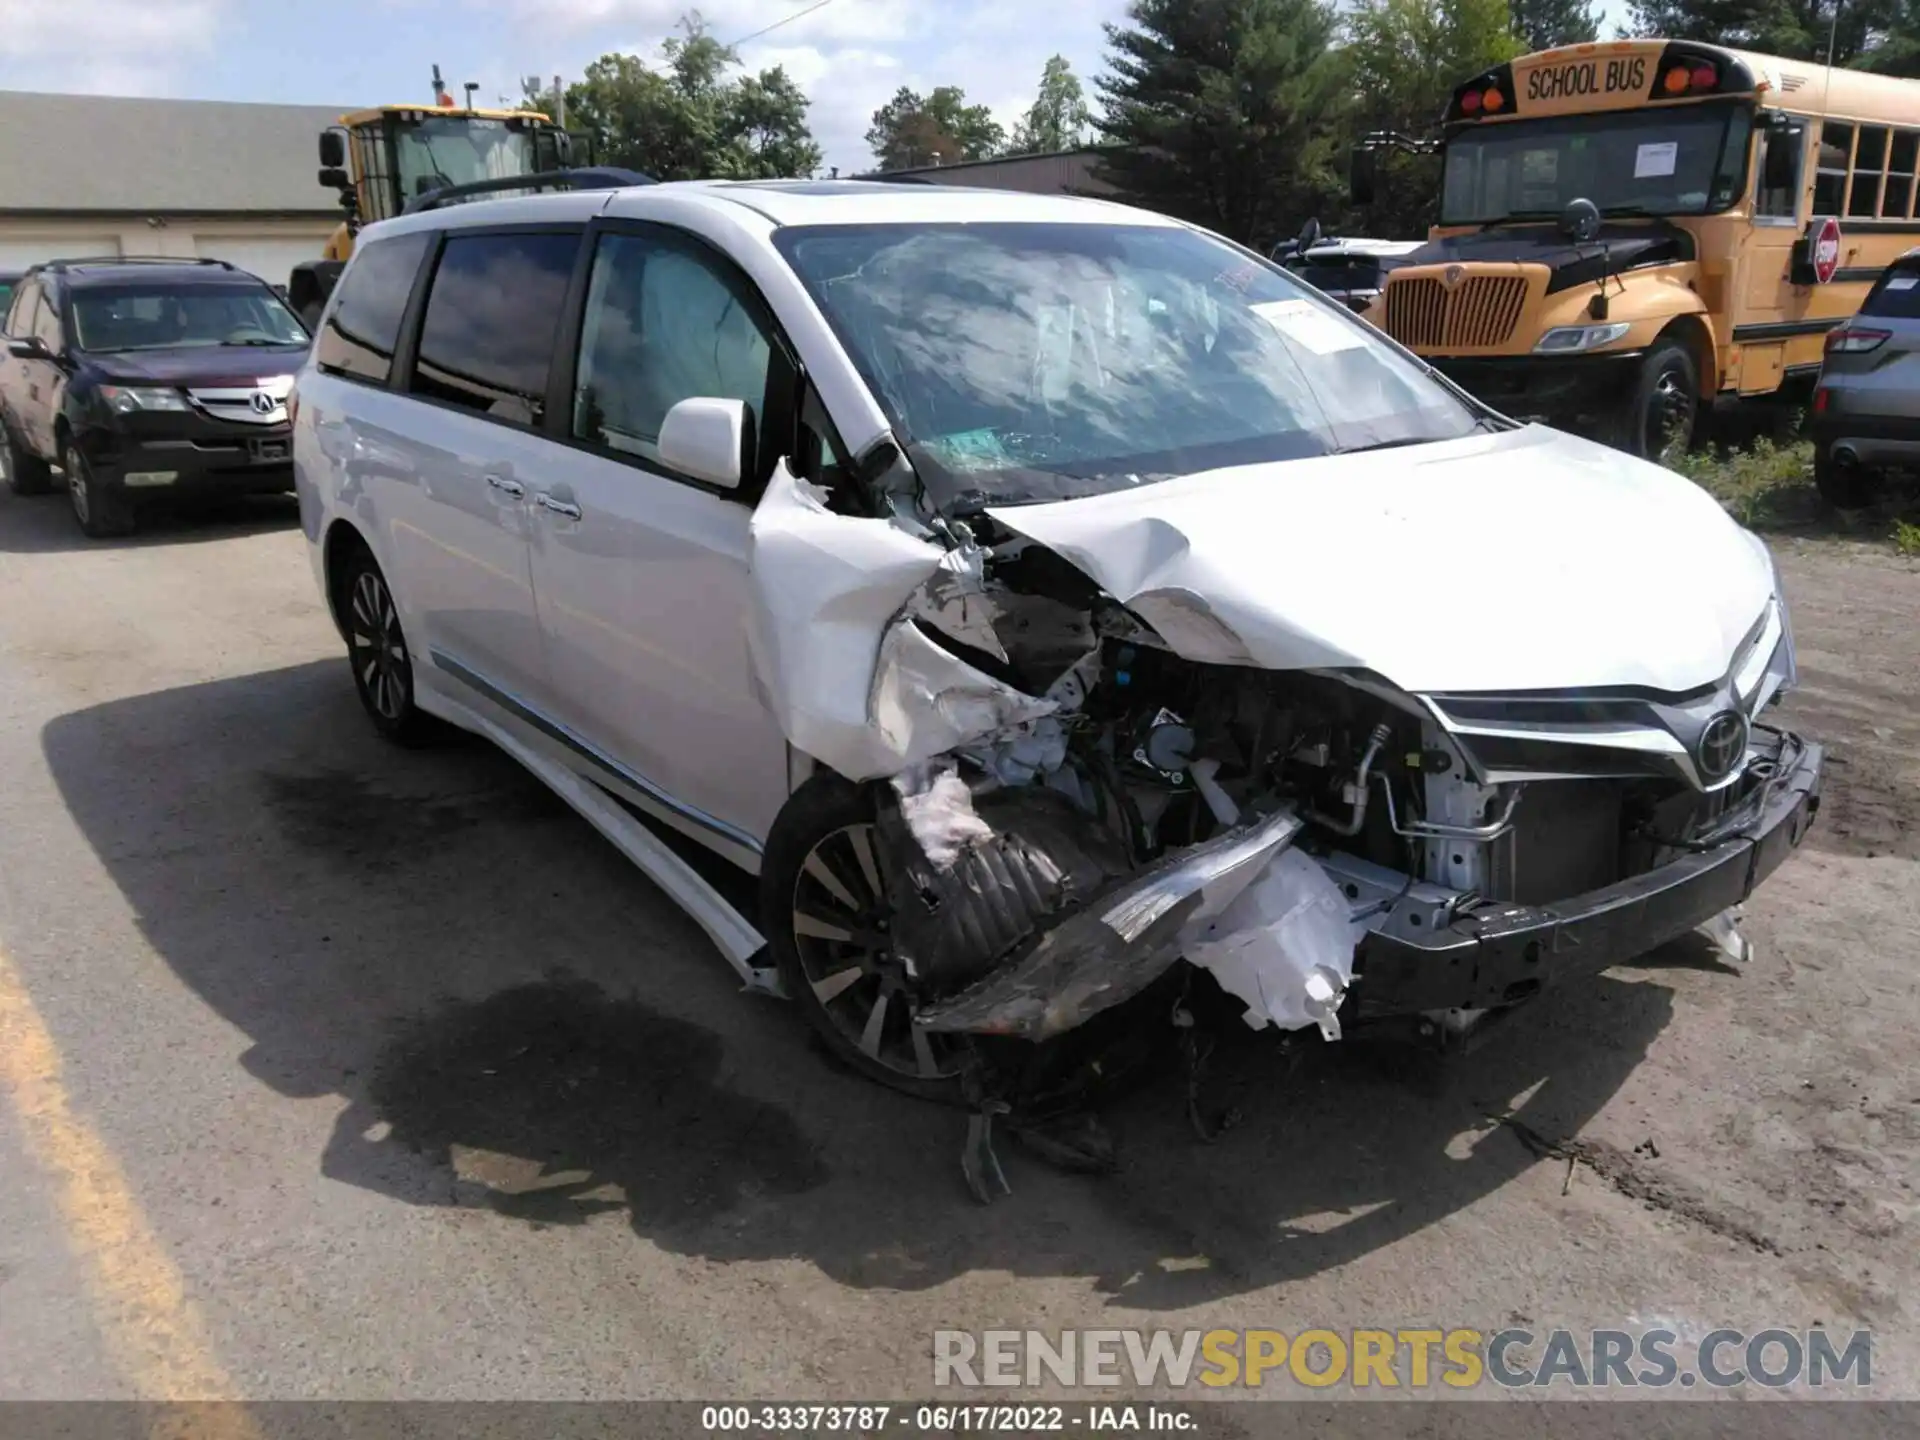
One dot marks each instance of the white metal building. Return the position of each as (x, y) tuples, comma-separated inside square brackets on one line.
[(1059, 172), (94, 175)]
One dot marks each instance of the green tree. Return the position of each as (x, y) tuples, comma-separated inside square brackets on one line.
[(1058, 119), (1871, 34), (936, 129), (693, 118), (1407, 57), (1227, 113), (1543, 24)]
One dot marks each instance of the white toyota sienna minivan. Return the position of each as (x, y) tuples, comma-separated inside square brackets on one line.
[(1042, 599)]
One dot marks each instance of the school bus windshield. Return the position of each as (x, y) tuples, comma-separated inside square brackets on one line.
[(1673, 160)]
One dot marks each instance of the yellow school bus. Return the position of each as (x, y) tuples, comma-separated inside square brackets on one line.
[(1632, 232)]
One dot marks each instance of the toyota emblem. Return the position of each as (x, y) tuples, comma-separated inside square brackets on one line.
[(263, 403), (1722, 745)]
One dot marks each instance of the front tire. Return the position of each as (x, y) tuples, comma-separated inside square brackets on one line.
[(825, 913), (379, 656), (102, 512), (27, 474), (1663, 410)]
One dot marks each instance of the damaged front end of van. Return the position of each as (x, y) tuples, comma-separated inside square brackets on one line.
[(1112, 735)]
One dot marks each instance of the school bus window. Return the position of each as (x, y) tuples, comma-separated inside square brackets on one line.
[(1830, 179), (1778, 194), (1731, 176), (1897, 202), (1869, 168)]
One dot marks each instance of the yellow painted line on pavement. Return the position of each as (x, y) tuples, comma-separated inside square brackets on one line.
[(152, 1328)]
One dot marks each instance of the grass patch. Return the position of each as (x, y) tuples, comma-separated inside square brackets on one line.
[(1768, 485), (1763, 485)]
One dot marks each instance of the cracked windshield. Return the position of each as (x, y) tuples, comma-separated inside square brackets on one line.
[(1038, 362)]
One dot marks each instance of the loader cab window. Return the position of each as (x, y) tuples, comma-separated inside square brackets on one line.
[(444, 150)]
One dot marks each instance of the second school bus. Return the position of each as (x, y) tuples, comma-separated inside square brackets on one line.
[(1744, 203)]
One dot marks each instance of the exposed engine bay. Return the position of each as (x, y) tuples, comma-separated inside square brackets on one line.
[(1149, 762)]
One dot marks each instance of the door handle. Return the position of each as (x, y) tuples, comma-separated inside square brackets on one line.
[(558, 507), (507, 487)]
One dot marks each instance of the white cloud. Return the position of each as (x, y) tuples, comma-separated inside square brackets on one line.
[(121, 47)]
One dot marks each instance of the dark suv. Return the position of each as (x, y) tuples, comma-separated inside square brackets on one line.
[(1866, 409), (144, 380)]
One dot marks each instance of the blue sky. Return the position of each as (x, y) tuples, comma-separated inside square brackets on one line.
[(849, 55)]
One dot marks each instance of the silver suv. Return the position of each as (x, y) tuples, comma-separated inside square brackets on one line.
[(1866, 410), (1045, 603)]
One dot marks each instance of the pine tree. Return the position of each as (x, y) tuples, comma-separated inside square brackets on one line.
[(1225, 112)]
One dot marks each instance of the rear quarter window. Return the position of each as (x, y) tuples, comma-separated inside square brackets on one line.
[(1896, 296), (362, 331)]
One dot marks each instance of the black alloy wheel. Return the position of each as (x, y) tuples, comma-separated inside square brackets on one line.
[(827, 915)]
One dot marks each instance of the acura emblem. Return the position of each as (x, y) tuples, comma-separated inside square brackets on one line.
[(263, 403), (1722, 745), (1452, 275)]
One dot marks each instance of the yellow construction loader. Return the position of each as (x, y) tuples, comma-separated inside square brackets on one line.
[(393, 159)]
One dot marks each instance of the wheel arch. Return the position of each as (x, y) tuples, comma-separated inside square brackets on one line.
[(340, 543), (1692, 330)]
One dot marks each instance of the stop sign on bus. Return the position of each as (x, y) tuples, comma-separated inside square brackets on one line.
[(1826, 249)]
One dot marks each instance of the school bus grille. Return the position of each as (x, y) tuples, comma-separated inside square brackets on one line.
[(1477, 314)]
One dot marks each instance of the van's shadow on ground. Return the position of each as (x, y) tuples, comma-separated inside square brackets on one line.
[(517, 1021)]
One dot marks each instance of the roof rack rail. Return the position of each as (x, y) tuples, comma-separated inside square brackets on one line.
[(586, 177), (67, 262)]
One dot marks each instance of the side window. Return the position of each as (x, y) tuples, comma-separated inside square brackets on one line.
[(1869, 168), (361, 333), (46, 321), (493, 312), (1897, 203), (662, 325), (20, 314), (1777, 186), (1830, 177)]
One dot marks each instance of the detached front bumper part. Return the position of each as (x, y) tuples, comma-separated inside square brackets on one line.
[(1504, 954), (1112, 948)]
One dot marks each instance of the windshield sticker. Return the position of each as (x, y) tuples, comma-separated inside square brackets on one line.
[(1654, 160), (1903, 282), (1306, 324), (971, 450)]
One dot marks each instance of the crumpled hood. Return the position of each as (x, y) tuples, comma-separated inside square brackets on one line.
[(1525, 560)]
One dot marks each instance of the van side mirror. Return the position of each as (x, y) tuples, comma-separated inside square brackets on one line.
[(333, 149), (1361, 174), (29, 347), (711, 440)]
